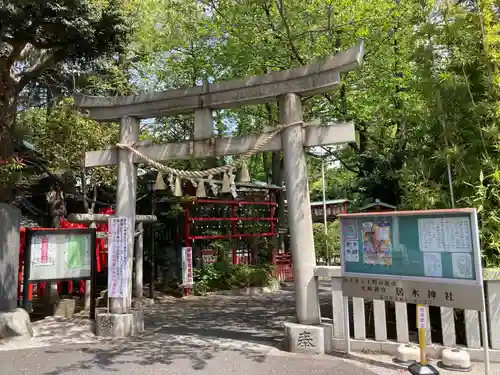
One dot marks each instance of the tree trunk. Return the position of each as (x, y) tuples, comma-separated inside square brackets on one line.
[(8, 105), (57, 204)]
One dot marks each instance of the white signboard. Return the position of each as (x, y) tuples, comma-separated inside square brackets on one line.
[(118, 257), (187, 266)]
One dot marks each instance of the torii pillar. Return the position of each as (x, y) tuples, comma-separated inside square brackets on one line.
[(299, 211)]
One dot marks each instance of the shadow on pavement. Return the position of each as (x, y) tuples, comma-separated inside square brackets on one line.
[(195, 329)]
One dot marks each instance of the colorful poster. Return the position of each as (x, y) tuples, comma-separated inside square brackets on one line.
[(118, 257), (351, 251), (377, 246)]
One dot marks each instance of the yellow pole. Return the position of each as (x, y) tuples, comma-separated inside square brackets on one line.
[(421, 325)]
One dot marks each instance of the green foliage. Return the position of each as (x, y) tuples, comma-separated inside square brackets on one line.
[(41, 44), (73, 28), (221, 276), (425, 104), (327, 244), (62, 136)]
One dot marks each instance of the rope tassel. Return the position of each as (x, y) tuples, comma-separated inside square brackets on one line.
[(200, 190), (160, 183), (244, 173), (171, 182), (178, 188), (213, 186), (226, 184)]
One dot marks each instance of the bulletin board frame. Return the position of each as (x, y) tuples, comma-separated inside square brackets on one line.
[(380, 282), (28, 278), (441, 291), (476, 253)]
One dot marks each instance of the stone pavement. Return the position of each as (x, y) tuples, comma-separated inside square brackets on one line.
[(207, 335)]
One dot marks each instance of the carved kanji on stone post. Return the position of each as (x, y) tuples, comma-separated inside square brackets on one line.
[(292, 136)]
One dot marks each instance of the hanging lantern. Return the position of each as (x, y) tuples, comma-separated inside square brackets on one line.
[(244, 175), (160, 184)]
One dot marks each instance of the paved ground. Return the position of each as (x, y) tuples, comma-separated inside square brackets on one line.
[(210, 335)]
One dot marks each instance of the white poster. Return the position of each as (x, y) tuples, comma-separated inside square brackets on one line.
[(118, 257), (462, 265), (351, 251), (452, 234), (43, 251), (432, 264), (431, 235), (457, 231), (384, 233)]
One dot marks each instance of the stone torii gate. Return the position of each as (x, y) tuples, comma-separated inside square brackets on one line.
[(286, 87)]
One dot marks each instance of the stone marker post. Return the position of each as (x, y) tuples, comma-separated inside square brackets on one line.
[(10, 223), (299, 211), (13, 321)]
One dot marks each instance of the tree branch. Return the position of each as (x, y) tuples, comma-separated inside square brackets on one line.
[(291, 44), (17, 49), (46, 58)]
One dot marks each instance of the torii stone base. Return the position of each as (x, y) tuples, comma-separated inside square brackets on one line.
[(119, 325), (131, 322)]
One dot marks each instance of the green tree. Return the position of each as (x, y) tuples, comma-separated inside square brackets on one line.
[(327, 244), (61, 138), (36, 36)]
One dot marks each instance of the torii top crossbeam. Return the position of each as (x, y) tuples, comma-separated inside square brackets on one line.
[(316, 78)]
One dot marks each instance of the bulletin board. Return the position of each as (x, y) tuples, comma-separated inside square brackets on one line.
[(61, 254), (430, 257)]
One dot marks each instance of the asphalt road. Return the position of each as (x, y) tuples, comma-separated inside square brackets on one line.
[(106, 359)]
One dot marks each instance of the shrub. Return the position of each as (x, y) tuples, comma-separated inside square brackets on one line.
[(220, 276)]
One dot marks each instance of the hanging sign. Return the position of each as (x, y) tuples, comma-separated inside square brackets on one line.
[(187, 266), (118, 257), (422, 317), (209, 256)]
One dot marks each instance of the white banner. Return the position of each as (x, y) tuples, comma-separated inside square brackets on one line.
[(118, 257), (187, 266)]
